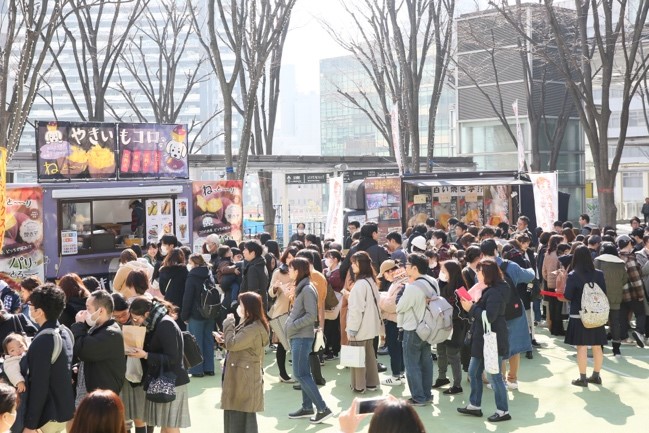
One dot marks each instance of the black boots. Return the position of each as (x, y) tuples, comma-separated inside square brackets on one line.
[(616, 349)]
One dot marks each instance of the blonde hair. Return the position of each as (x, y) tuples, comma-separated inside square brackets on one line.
[(198, 260)]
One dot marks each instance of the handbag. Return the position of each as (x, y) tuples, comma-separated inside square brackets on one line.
[(490, 348), (192, 355), (162, 389), (319, 342), (352, 356), (331, 300), (278, 325)]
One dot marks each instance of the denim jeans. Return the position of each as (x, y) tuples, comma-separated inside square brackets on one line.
[(395, 350), (536, 307), (476, 367), (637, 308), (202, 331), (419, 366), (301, 348)]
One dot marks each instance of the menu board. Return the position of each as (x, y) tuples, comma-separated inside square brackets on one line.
[(383, 203), (69, 242), (218, 209), (148, 150), (159, 219), (182, 220), (22, 251), (466, 203), (75, 151)]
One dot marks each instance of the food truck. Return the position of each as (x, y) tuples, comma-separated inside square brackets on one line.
[(479, 198), (103, 188)]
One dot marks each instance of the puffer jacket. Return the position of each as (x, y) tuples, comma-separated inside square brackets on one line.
[(363, 313), (615, 276)]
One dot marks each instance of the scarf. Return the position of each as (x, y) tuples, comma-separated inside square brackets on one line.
[(157, 312)]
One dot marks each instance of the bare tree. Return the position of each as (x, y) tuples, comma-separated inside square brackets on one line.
[(165, 78), (392, 47), (244, 40), (26, 29), (95, 34), (596, 44), (494, 46)]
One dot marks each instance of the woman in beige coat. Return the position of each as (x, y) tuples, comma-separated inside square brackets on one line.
[(281, 289), (243, 385), (364, 321), (550, 266)]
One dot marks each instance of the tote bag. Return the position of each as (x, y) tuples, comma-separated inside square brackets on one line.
[(352, 356), (490, 348), (278, 325)]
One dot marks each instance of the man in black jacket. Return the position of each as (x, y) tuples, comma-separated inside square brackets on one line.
[(368, 243), (50, 402), (255, 273), (99, 345)]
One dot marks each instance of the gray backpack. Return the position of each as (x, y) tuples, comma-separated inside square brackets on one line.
[(58, 340), (436, 325)]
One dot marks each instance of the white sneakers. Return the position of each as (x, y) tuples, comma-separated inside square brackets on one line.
[(392, 381)]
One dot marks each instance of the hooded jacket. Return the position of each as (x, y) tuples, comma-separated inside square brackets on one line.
[(615, 276), (172, 284), (192, 296), (377, 253), (255, 279)]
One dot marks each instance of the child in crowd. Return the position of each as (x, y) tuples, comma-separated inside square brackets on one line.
[(228, 273), (15, 347)]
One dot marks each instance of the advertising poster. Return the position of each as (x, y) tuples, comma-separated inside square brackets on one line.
[(546, 199), (22, 250), (76, 151), (335, 227), (159, 218), (3, 191), (383, 203), (218, 209), (497, 204), (152, 150), (470, 204), (182, 220)]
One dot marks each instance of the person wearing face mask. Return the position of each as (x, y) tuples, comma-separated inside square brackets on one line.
[(201, 328), (243, 385), (167, 243), (300, 235), (99, 346)]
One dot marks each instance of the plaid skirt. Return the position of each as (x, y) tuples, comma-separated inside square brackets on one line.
[(174, 414)]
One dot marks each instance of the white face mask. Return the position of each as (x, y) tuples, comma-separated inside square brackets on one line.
[(92, 321), (164, 250), (443, 277), (328, 262), (241, 312), (300, 231), (190, 267)]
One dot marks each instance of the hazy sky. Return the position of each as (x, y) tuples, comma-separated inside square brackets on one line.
[(308, 42)]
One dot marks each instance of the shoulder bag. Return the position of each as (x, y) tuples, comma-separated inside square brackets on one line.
[(162, 389)]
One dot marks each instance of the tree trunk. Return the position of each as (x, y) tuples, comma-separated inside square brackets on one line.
[(266, 187), (605, 180)]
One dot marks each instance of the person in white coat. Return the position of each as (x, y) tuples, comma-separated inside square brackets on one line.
[(364, 320)]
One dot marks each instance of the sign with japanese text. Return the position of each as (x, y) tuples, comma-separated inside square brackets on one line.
[(546, 199), (217, 209), (383, 203), (335, 227), (69, 242), (22, 250), (159, 219), (75, 150), (306, 178), (152, 150)]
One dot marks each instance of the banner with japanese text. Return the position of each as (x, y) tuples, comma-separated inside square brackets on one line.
[(75, 150), (217, 209), (3, 191), (22, 250), (546, 199), (383, 204), (153, 150), (335, 227)]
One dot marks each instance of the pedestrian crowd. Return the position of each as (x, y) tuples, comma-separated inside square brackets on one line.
[(78, 358)]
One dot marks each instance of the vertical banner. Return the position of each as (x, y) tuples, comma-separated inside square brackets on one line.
[(3, 192), (22, 250), (520, 139), (546, 199), (335, 228), (396, 141), (218, 209), (159, 219)]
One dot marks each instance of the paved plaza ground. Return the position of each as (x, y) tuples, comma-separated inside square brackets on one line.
[(545, 402)]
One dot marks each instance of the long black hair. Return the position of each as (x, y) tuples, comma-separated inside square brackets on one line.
[(455, 281), (582, 261)]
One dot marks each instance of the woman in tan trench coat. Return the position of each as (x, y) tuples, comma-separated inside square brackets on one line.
[(243, 386)]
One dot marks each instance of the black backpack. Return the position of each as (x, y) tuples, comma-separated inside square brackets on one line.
[(210, 300), (514, 307)]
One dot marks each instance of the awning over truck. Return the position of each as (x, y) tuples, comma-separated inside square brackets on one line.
[(475, 181)]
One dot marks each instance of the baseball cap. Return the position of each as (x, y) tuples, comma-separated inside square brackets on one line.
[(386, 266), (594, 240), (419, 242)]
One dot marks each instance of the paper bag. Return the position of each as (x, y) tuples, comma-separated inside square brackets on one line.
[(133, 336)]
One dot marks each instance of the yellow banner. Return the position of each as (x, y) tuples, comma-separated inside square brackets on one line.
[(3, 192)]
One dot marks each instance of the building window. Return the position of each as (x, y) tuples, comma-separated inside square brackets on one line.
[(632, 186)]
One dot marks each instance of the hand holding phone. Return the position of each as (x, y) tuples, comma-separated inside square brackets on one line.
[(463, 294), (369, 405)]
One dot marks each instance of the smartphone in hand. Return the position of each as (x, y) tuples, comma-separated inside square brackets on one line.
[(463, 294), (369, 405)]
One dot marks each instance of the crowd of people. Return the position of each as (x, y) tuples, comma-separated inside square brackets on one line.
[(66, 366)]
